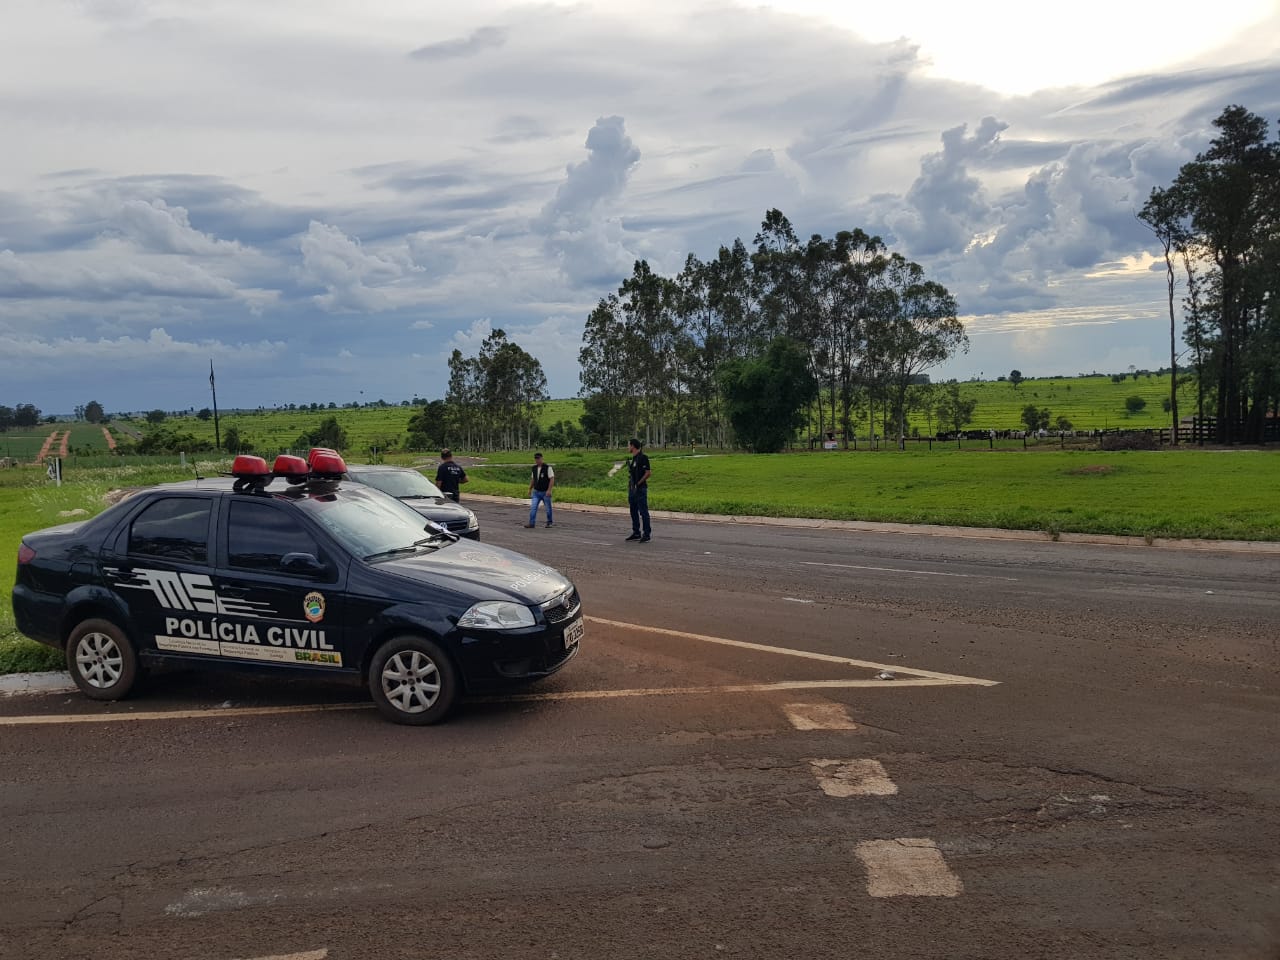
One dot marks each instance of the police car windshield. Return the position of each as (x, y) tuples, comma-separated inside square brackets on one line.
[(369, 523), (399, 483)]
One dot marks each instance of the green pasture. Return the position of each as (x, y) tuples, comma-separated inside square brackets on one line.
[(25, 445), (1090, 403), (1170, 493), (1184, 493)]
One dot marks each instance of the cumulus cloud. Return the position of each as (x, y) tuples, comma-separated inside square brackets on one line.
[(354, 279), (586, 242), (107, 272), (945, 208), (156, 226)]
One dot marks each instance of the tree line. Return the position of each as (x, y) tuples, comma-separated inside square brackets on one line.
[(491, 403), (23, 415), (1219, 222), (705, 355)]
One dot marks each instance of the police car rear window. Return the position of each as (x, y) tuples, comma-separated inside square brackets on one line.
[(174, 528)]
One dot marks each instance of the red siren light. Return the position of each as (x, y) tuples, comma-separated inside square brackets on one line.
[(246, 467), (251, 473), (319, 451), (327, 465), (293, 469)]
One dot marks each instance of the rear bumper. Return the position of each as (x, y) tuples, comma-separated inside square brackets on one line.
[(38, 615)]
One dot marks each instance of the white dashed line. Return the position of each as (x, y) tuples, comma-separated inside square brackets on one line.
[(907, 867), (853, 778), (819, 716), (308, 955)]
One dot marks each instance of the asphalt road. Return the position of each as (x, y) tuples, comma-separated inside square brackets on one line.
[(1076, 757)]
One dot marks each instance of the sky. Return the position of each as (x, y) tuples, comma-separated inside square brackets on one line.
[(324, 199)]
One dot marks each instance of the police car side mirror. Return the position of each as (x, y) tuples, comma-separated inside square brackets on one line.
[(301, 563)]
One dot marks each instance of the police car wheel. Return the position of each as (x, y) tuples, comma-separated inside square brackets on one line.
[(412, 681), (101, 660)]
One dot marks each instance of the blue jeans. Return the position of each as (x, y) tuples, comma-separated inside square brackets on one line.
[(539, 497), (638, 501)]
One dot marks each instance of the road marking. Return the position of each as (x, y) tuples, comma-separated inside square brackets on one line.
[(804, 654), (918, 573), (775, 687), (907, 677), (796, 600), (853, 778), (819, 716), (308, 955), (907, 867), (215, 713)]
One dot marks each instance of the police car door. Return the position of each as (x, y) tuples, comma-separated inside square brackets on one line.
[(285, 587), (160, 565)]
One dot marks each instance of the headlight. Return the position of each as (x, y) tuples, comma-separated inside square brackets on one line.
[(472, 522), (496, 615)]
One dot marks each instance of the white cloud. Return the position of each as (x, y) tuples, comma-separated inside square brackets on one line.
[(366, 184), (355, 280)]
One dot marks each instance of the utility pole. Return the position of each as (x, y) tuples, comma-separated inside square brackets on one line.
[(217, 436)]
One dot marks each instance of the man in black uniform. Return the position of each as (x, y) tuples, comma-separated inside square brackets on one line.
[(638, 491), (449, 475)]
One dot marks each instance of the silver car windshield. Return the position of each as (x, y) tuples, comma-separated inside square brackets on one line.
[(370, 523), (400, 483)]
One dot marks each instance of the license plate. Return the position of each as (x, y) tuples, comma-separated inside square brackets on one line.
[(573, 634)]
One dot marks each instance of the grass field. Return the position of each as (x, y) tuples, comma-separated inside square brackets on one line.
[(1171, 493), (1093, 402), (82, 438), (1174, 493)]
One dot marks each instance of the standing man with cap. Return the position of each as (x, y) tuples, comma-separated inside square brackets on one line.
[(540, 484), (638, 491), (449, 475)]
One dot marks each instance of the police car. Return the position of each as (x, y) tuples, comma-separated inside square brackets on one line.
[(289, 568)]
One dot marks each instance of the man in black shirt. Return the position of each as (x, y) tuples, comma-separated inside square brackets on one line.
[(638, 491), (449, 475)]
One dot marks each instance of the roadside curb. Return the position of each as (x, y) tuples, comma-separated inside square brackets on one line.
[(919, 530), (19, 684)]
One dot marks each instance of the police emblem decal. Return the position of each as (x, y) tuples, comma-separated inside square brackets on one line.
[(313, 607)]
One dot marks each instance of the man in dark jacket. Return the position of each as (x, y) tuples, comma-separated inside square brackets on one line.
[(638, 491), (449, 476)]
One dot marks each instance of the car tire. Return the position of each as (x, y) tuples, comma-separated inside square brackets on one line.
[(413, 681), (101, 660)]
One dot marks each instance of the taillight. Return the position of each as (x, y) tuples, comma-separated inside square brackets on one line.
[(25, 554)]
